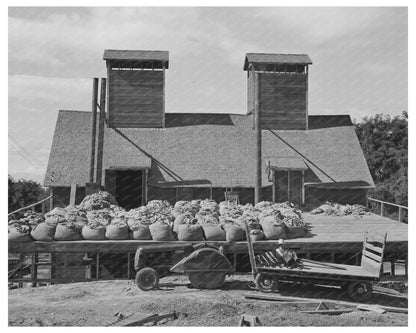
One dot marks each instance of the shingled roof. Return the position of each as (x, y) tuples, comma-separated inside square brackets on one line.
[(199, 148)]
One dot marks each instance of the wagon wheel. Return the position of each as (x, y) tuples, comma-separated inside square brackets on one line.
[(266, 282), (147, 279), (207, 280), (360, 291)]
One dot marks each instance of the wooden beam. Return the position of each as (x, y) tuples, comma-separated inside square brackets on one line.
[(101, 133), (257, 128), (279, 298), (93, 127)]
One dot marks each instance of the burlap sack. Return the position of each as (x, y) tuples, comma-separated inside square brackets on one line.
[(67, 232), (295, 232), (234, 233), (55, 219), (141, 232), (44, 232), (117, 231), (161, 232), (93, 233), (190, 232), (57, 211), (213, 232), (273, 230), (185, 218), (19, 235)]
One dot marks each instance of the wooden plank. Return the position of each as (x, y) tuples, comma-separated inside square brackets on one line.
[(264, 297), (375, 257), (373, 248), (372, 308), (328, 312)]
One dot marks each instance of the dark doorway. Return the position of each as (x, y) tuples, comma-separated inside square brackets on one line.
[(289, 186), (129, 188)]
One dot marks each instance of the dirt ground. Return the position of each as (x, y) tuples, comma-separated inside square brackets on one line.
[(101, 303)]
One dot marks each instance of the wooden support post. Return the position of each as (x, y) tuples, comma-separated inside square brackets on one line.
[(406, 265), (382, 209), (128, 265), (400, 214), (94, 102), (97, 267), (73, 194), (392, 267), (303, 187), (274, 187), (34, 269), (51, 199), (87, 269), (101, 123), (257, 128)]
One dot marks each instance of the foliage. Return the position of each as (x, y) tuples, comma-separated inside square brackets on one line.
[(23, 193), (384, 141)]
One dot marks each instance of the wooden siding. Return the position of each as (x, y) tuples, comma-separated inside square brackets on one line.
[(136, 98), (250, 92), (283, 100)]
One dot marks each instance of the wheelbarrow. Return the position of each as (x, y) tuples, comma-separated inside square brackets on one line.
[(205, 265), (355, 280)]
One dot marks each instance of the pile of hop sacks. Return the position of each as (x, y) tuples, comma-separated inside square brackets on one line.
[(336, 209), (98, 217)]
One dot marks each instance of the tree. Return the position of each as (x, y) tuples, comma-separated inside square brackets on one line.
[(23, 193), (384, 141)]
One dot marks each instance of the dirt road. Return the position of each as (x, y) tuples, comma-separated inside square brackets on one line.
[(100, 304)]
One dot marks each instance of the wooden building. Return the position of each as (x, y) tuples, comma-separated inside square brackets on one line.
[(152, 154)]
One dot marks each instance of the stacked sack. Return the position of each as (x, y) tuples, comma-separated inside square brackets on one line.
[(45, 231), (98, 200), (153, 221), (208, 219), (231, 221), (251, 217), (272, 223), (19, 229), (97, 221), (138, 222)]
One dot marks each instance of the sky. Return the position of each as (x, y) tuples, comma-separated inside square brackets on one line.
[(359, 54)]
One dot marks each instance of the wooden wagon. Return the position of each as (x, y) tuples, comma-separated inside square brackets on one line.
[(355, 280)]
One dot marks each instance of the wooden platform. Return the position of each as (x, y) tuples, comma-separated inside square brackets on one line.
[(327, 235)]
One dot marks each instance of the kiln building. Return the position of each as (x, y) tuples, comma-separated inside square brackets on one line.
[(145, 153)]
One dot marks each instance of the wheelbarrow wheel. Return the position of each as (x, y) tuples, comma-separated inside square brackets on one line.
[(147, 279), (207, 280), (266, 283), (360, 291)]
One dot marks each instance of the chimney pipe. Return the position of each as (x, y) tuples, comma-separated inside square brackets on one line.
[(101, 133), (257, 129), (93, 126)]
